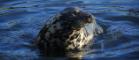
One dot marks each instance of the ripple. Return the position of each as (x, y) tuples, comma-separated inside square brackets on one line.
[(21, 20)]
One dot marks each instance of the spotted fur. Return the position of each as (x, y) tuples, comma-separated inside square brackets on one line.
[(67, 33)]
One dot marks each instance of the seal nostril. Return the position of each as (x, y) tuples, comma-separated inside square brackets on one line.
[(89, 20)]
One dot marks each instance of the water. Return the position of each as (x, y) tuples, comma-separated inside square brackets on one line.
[(21, 20)]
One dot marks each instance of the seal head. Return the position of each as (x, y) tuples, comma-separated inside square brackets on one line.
[(68, 33), (77, 17)]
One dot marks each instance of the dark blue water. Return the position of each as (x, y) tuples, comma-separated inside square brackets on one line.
[(21, 20)]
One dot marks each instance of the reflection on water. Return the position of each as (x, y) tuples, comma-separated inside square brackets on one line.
[(21, 20)]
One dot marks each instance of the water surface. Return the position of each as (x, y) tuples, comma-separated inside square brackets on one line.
[(21, 20)]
